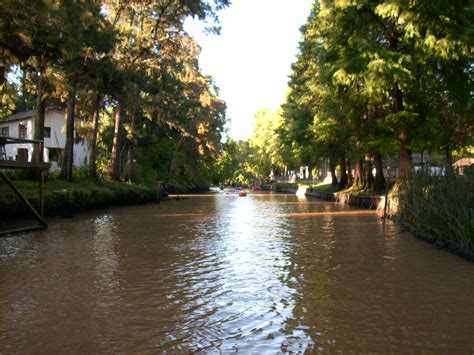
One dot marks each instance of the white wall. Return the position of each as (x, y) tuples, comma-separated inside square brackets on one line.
[(56, 120), (13, 127)]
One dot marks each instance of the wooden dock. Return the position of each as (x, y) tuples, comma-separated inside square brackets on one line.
[(36, 165)]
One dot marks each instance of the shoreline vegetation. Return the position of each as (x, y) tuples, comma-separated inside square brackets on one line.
[(392, 95), (440, 210), (64, 199), (436, 209)]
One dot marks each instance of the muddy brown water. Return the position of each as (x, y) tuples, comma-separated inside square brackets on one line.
[(264, 273)]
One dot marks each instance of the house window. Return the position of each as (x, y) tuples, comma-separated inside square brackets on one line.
[(47, 132), (5, 131), (22, 131), (55, 154), (22, 154)]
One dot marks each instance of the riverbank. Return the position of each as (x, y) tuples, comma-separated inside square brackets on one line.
[(448, 245), (324, 192), (436, 210), (62, 198), (375, 202), (441, 206)]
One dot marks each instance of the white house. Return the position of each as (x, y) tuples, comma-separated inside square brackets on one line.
[(21, 125)]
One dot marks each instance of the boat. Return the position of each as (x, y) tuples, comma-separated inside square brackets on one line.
[(242, 193)]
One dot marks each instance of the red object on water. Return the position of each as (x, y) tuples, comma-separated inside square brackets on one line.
[(242, 193)]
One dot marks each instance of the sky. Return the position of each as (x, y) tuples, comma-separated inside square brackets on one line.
[(251, 59)]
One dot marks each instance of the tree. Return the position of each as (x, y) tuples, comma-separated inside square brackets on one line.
[(86, 39), (144, 29), (378, 77), (31, 36)]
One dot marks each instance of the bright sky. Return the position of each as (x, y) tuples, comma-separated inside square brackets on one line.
[(251, 59)]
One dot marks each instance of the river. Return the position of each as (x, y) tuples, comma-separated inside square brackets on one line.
[(264, 273)]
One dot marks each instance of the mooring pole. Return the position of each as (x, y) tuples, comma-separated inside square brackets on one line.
[(385, 204), (41, 179), (41, 193)]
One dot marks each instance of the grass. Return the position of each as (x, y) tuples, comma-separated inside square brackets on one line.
[(352, 190), (443, 207), (66, 198), (323, 187)]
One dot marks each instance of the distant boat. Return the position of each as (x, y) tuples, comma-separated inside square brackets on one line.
[(242, 193)]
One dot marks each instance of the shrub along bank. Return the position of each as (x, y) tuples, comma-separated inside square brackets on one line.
[(65, 198), (442, 207), (437, 209)]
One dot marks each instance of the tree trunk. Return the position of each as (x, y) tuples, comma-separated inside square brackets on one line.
[(405, 163), (448, 162), (173, 164), (369, 178), (3, 72), (310, 172), (66, 170), (117, 143), (359, 176), (129, 164), (39, 118), (93, 143), (404, 154), (24, 89), (350, 178), (379, 183), (344, 179), (132, 141), (332, 168)]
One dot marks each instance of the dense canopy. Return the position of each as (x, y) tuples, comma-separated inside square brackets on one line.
[(375, 81), (128, 70)]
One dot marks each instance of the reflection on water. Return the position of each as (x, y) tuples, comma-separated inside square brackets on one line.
[(264, 274)]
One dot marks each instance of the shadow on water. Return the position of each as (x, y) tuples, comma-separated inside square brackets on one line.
[(264, 273)]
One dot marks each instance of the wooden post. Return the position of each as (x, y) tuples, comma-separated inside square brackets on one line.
[(41, 180), (159, 190), (36, 164), (40, 151), (385, 205), (24, 199), (41, 193)]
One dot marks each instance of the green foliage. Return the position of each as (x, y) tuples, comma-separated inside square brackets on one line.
[(441, 206), (242, 177), (64, 198), (268, 149), (234, 164), (132, 57), (381, 76)]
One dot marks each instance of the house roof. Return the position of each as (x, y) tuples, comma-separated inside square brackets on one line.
[(26, 114)]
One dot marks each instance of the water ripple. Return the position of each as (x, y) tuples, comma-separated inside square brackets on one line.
[(261, 274)]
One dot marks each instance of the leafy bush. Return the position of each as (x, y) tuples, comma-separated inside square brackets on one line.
[(64, 198)]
